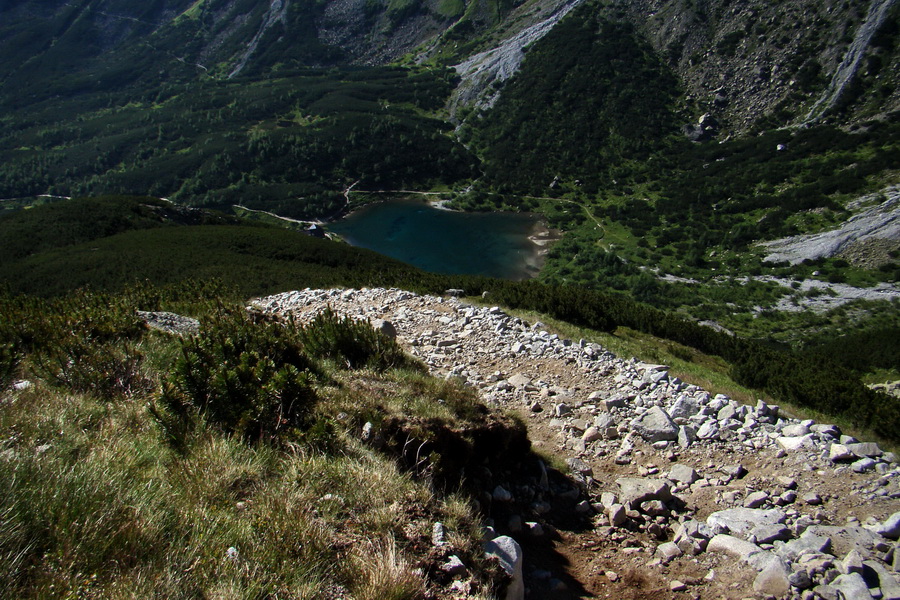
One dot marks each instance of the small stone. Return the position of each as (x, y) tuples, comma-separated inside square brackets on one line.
[(677, 586), (454, 566), (756, 499), (616, 515), (591, 434), (683, 474), (612, 576), (891, 527), (668, 551), (508, 551), (812, 498), (438, 534), (501, 495)]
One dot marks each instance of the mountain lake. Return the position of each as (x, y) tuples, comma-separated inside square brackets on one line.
[(499, 244)]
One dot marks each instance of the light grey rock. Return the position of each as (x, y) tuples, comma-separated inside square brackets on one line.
[(438, 535), (386, 328), (519, 380), (683, 474), (708, 430), (773, 580), (891, 527), (615, 402), (863, 465), (562, 409), (635, 490), (668, 551), (756, 499), (616, 514), (812, 498), (862, 449), (806, 543), (454, 566), (732, 546), (591, 434), (579, 466), (607, 499), (832, 431), (654, 508), (845, 539), (840, 453), (727, 413), (170, 322), (792, 444), (852, 586), (655, 425), (604, 420), (795, 430), (686, 436), (762, 559), (853, 562), (766, 534), (741, 521), (684, 407), (890, 589), (509, 553)]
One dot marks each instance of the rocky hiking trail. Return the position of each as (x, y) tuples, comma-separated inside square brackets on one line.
[(672, 492)]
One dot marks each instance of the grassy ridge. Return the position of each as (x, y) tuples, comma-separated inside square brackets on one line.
[(100, 502)]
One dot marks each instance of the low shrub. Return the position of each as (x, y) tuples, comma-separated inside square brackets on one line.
[(9, 361), (354, 343), (248, 378)]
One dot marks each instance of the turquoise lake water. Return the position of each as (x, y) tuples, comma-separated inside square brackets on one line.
[(443, 241)]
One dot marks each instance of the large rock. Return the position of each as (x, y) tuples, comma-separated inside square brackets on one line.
[(864, 449), (806, 543), (891, 527), (655, 425), (890, 589), (773, 580), (839, 453), (742, 521), (797, 443), (637, 489), (732, 546), (845, 539), (852, 586), (508, 551), (685, 407), (683, 474)]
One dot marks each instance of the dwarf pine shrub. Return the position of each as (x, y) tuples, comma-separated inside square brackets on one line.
[(354, 343), (250, 379), (9, 360)]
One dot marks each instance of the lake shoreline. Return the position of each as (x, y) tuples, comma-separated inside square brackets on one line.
[(428, 234)]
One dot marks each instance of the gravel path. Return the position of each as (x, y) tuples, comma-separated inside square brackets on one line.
[(684, 494)]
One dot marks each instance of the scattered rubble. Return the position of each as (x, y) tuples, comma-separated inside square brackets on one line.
[(738, 500)]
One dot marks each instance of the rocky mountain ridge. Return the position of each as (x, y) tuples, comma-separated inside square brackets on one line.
[(697, 492), (746, 65)]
